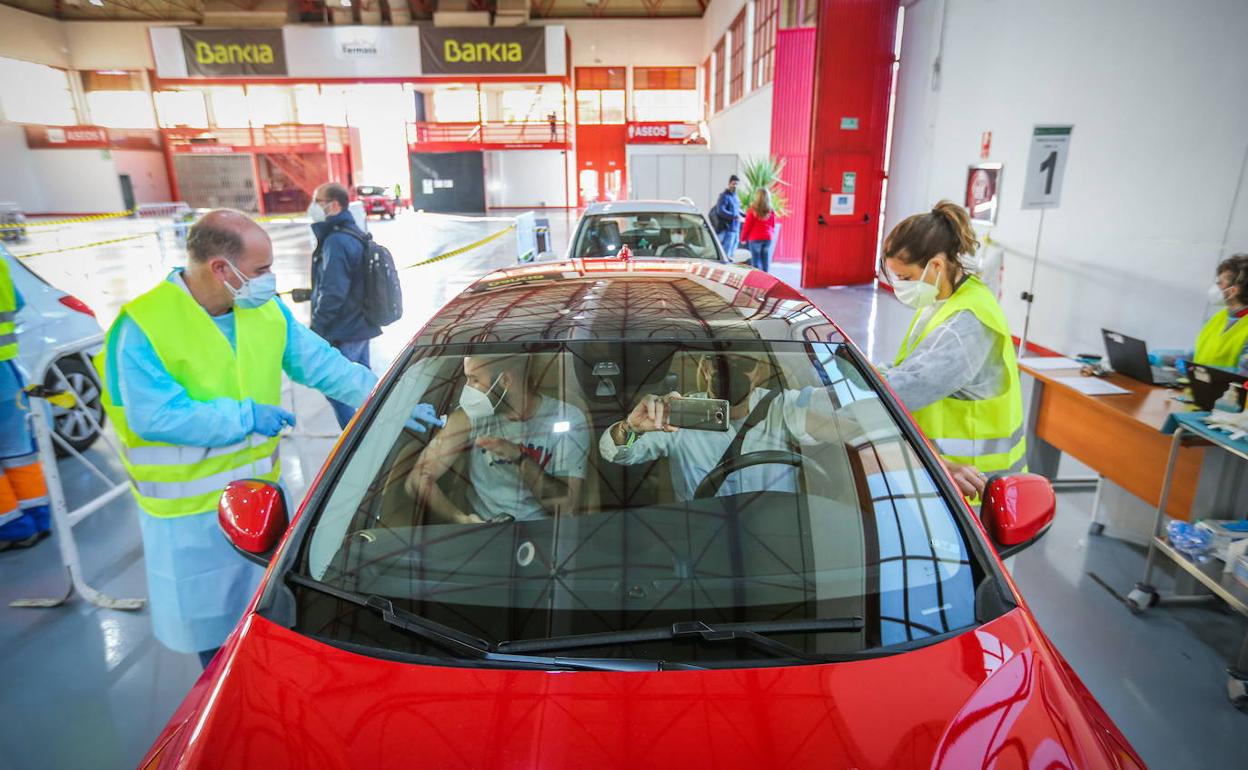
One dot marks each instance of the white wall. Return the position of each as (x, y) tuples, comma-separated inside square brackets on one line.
[(525, 178), (109, 44), (148, 174), (19, 183), (57, 181), (634, 42), (1155, 91), (744, 129), (34, 38)]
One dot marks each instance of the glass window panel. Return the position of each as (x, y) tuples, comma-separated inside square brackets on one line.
[(613, 107), (35, 93), (181, 108), (229, 107), (269, 105), (456, 106), (121, 109)]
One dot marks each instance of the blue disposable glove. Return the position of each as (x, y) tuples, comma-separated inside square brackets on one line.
[(424, 417), (269, 420)]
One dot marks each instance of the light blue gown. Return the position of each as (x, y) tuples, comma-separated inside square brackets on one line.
[(198, 586)]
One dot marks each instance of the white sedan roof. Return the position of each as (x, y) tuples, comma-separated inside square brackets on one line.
[(642, 207)]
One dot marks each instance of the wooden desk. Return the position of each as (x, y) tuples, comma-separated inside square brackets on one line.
[(1117, 436)]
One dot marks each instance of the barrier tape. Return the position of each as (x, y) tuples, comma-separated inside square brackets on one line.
[(83, 246), (462, 249), (73, 221)]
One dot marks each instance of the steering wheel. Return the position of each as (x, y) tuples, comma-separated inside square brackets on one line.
[(715, 478), (678, 251)]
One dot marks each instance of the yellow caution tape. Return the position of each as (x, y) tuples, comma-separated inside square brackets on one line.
[(82, 246), (463, 249), (72, 221)]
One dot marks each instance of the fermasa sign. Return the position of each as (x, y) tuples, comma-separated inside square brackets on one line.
[(233, 52), (483, 51)]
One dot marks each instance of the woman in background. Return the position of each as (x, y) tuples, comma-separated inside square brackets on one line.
[(759, 231)]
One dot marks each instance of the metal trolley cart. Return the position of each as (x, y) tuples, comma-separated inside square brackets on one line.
[(1189, 431)]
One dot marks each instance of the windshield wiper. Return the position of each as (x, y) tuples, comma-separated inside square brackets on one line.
[(750, 633), (471, 647)]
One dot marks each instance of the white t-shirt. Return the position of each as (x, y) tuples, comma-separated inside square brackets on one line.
[(556, 437), (693, 453)]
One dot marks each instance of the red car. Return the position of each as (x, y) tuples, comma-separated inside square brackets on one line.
[(377, 200), (492, 570)]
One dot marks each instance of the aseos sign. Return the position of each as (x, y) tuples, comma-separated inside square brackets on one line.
[(663, 133)]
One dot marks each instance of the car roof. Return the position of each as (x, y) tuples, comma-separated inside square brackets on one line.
[(599, 299), (641, 207)]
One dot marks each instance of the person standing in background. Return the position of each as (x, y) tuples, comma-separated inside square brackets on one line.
[(338, 282), (759, 231), (24, 515), (726, 217)]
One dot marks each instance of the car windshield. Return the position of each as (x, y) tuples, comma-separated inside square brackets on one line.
[(495, 491), (365, 191), (647, 234)]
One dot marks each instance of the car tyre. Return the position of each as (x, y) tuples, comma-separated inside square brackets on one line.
[(72, 425)]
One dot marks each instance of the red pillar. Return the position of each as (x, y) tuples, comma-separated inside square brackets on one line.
[(853, 77)]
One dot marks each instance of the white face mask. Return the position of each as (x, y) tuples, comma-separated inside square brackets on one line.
[(477, 405), (316, 212), (1216, 296), (917, 294), (678, 237)]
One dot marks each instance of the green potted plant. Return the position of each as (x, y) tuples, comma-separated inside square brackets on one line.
[(764, 172)]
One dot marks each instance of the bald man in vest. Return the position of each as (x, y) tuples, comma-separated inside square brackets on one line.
[(192, 374)]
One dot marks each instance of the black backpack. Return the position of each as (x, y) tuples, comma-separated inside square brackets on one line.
[(383, 297)]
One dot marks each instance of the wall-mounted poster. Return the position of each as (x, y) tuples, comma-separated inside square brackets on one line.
[(983, 185)]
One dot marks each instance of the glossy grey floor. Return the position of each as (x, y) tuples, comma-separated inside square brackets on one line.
[(90, 688)]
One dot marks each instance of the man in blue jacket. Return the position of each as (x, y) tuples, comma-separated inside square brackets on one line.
[(338, 278), (728, 217)]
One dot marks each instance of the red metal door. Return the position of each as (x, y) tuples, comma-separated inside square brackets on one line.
[(600, 157), (853, 77)]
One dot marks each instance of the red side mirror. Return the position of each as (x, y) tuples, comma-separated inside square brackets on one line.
[(1017, 509), (253, 516)]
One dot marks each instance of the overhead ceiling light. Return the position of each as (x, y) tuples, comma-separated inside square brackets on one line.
[(97, 3), (345, 3)]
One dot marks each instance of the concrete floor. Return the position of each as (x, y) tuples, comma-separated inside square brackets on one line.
[(84, 687)]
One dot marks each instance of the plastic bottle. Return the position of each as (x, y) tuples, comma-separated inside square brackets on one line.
[(1229, 401)]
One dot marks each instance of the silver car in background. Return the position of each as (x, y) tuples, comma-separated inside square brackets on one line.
[(52, 318), (647, 228)]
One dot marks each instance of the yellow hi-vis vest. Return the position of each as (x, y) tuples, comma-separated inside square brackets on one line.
[(988, 433), (1217, 345), (8, 314), (178, 480)]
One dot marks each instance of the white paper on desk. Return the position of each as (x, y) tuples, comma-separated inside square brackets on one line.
[(1051, 362), (1092, 386)]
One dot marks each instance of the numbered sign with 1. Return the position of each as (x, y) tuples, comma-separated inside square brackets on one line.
[(1046, 165)]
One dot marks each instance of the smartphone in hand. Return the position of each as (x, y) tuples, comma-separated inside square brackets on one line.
[(698, 413)]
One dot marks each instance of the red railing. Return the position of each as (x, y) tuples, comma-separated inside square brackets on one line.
[(285, 135), (544, 133)]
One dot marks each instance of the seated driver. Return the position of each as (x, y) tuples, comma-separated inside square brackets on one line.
[(526, 452), (676, 243), (787, 422)]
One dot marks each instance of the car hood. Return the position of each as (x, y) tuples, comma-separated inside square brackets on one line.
[(997, 695)]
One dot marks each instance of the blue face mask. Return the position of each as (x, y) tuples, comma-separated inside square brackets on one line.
[(255, 291)]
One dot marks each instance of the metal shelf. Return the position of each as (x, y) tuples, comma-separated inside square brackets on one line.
[(1210, 574)]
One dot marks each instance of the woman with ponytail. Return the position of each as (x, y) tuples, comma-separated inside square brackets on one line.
[(956, 371)]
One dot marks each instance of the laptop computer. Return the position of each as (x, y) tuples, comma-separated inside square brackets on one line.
[(1209, 383), (1129, 356)]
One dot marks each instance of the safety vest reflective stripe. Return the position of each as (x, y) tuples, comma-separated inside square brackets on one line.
[(168, 454), (7, 316), (175, 490), (8, 339), (20, 460), (969, 447)]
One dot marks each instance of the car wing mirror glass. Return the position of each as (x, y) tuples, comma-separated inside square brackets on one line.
[(252, 513), (1017, 510), (741, 256)]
